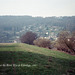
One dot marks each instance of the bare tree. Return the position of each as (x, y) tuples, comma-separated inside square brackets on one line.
[(28, 38), (66, 42)]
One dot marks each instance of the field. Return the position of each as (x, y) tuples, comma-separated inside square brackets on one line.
[(23, 59)]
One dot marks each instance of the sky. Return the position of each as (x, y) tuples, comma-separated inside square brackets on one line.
[(43, 8)]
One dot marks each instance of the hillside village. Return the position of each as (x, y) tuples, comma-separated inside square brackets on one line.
[(42, 31), (50, 32), (13, 27)]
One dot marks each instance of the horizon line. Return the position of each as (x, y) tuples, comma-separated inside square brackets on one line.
[(40, 16)]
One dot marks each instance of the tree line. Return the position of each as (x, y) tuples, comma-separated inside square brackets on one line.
[(17, 22)]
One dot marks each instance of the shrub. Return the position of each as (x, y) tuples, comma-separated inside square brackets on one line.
[(43, 43)]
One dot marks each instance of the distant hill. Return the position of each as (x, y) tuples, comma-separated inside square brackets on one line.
[(11, 21), (23, 59), (12, 27)]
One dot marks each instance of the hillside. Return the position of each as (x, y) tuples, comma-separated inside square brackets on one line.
[(12, 27), (23, 59)]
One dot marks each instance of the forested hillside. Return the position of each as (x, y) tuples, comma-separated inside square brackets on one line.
[(12, 27)]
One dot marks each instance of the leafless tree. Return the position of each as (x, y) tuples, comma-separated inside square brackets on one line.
[(66, 42), (28, 38)]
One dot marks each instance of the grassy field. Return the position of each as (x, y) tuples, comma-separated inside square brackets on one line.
[(23, 59)]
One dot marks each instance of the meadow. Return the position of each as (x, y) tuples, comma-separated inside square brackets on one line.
[(24, 59)]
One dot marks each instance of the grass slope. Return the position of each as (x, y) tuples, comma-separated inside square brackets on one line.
[(23, 59)]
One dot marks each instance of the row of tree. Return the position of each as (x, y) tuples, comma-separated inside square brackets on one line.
[(17, 22)]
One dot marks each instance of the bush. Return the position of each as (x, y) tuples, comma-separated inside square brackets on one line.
[(42, 43)]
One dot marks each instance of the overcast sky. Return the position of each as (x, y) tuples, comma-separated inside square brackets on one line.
[(38, 7)]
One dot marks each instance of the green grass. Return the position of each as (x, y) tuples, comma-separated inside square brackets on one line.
[(32, 60)]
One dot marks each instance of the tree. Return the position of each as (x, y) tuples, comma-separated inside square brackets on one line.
[(46, 43), (28, 38), (66, 42)]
